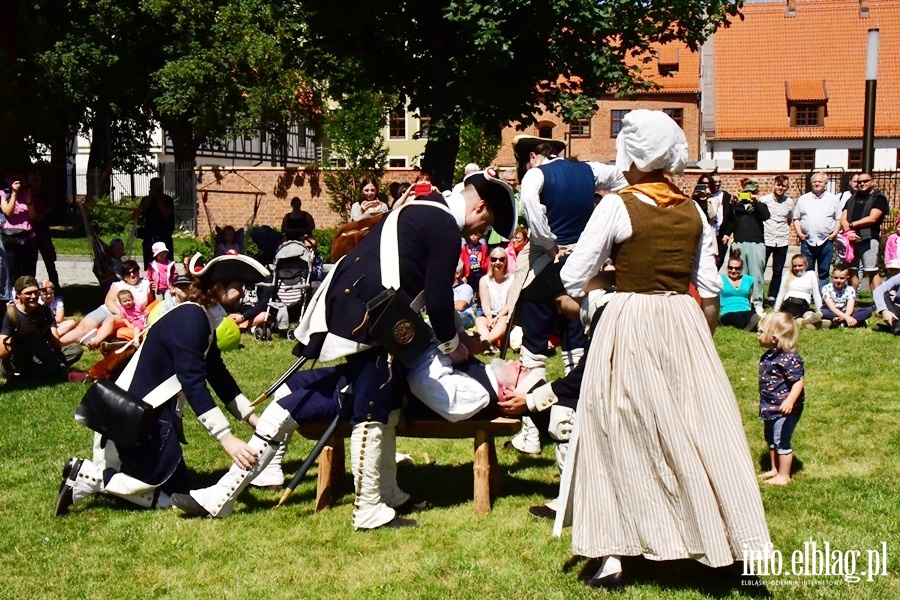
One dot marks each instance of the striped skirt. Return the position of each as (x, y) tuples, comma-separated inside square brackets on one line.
[(659, 464)]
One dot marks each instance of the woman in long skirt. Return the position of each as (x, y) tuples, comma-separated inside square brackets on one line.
[(659, 464)]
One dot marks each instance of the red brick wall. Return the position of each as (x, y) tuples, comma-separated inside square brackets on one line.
[(231, 195), (601, 145)]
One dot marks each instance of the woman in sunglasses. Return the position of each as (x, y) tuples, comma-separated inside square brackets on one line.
[(88, 331), (737, 290), (494, 292)]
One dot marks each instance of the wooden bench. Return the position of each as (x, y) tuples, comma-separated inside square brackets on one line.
[(332, 461)]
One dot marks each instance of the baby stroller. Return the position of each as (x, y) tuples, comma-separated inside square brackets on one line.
[(289, 291)]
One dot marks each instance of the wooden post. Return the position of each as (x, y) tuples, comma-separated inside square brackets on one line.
[(496, 478), (482, 470), (325, 481), (338, 467)]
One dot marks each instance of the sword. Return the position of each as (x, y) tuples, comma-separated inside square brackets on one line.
[(313, 455), (293, 369)]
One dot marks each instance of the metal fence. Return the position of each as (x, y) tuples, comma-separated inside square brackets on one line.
[(123, 187)]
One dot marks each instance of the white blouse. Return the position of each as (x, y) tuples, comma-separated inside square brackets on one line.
[(610, 224)]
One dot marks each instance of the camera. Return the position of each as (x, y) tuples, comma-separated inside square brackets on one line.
[(422, 189), (701, 187)]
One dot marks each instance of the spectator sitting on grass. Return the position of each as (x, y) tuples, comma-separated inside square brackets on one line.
[(57, 308), (463, 298), (495, 286), (887, 303), (840, 302), (227, 241), (30, 350), (797, 291), (737, 289)]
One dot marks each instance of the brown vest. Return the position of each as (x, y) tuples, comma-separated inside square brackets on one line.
[(661, 252)]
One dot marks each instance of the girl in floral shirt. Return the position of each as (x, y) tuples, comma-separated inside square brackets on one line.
[(781, 396)]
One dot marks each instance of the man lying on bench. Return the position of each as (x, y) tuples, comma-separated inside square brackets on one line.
[(470, 390)]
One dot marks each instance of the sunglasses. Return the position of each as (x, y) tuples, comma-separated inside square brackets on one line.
[(499, 259), (132, 272), (734, 268), (863, 181)]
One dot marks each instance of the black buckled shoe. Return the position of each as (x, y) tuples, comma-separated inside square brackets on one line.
[(65, 498), (399, 522), (411, 505), (186, 504), (542, 512), (613, 581)]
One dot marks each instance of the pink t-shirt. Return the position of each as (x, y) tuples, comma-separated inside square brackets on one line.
[(19, 219), (136, 317)]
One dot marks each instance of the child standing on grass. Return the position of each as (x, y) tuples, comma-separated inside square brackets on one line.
[(781, 395)]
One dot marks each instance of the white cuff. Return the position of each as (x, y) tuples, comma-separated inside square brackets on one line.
[(240, 407), (215, 422), (541, 398), (448, 347)]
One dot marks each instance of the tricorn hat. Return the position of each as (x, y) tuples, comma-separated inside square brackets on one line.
[(228, 268), (524, 145), (499, 198)]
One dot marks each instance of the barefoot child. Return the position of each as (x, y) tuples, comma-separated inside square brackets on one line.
[(781, 396)]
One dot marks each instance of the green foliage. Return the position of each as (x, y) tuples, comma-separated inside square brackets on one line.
[(497, 62), (356, 132), (475, 146), (206, 246), (324, 240), (110, 219)]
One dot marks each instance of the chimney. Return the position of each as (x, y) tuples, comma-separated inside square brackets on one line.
[(863, 9), (790, 9)]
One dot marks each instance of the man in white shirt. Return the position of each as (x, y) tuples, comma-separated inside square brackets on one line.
[(777, 230), (817, 220)]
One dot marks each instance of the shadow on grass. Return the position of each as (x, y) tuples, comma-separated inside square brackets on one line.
[(82, 299), (676, 575), (764, 464)]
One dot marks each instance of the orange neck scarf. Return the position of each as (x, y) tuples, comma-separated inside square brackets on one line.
[(662, 191)]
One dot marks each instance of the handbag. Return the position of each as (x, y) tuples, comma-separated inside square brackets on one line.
[(397, 327), (114, 413), (13, 236)]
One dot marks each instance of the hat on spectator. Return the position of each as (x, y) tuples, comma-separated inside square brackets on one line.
[(751, 186), (181, 280), (228, 268), (499, 198), (25, 281), (894, 264), (651, 140), (158, 247)]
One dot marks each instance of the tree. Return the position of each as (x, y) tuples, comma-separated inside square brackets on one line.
[(355, 129), (494, 62), (475, 146)]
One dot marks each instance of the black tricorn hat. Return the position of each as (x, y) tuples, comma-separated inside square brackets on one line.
[(524, 145), (499, 198), (229, 268)]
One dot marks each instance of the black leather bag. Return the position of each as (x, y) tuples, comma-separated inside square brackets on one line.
[(397, 327), (14, 237), (114, 413)]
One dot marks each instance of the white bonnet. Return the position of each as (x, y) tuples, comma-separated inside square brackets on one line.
[(651, 140)]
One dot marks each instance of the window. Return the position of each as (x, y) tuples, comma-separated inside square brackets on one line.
[(397, 163), (616, 124), (677, 115), (545, 131), (854, 159), (807, 114), (424, 126), (580, 129), (397, 124), (744, 159), (803, 159)]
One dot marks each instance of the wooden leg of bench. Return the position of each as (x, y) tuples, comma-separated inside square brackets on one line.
[(482, 473), (496, 479), (325, 483), (338, 468)]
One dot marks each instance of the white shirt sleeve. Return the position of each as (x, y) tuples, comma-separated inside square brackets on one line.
[(607, 177), (706, 275), (535, 212), (814, 291), (609, 224)]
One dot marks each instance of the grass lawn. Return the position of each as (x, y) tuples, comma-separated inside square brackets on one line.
[(70, 241), (845, 493)]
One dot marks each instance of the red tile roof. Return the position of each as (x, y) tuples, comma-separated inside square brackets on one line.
[(683, 65), (826, 40)]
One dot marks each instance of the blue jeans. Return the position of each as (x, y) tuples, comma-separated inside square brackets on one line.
[(819, 258), (779, 431)]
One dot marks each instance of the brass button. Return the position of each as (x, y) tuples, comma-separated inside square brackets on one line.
[(347, 292), (357, 259), (368, 417), (372, 403)]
